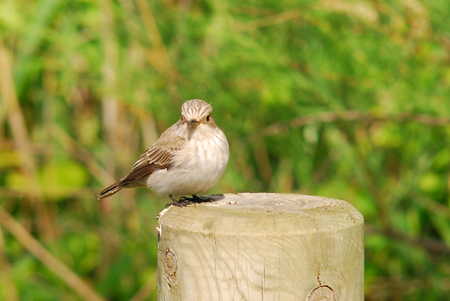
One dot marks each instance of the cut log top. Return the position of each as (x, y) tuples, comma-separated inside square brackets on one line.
[(263, 214), (261, 246)]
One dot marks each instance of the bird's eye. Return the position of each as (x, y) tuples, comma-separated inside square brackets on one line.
[(208, 117)]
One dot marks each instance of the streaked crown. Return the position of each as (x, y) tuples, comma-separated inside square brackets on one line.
[(195, 109)]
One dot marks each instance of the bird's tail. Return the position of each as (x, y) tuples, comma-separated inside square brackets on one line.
[(110, 190)]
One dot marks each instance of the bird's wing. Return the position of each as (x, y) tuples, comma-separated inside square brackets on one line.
[(158, 156)]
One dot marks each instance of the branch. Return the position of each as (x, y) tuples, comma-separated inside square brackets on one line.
[(329, 117)]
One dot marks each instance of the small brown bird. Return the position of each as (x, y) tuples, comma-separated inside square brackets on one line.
[(190, 157)]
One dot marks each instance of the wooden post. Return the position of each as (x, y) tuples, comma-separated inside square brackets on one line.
[(262, 246)]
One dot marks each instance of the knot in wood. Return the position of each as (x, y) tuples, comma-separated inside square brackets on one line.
[(170, 263), (322, 293)]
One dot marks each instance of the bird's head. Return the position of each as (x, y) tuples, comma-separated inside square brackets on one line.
[(195, 112)]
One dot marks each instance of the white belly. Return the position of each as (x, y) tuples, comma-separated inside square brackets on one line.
[(197, 167)]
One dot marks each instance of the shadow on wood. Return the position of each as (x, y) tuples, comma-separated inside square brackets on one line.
[(262, 246)]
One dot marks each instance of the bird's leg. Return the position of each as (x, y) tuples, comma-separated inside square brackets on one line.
[(174, 202), (184, 201)]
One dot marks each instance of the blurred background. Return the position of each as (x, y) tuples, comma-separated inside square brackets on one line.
[(339, 98)]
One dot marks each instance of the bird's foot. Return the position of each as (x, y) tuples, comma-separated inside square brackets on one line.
[(174, 202), (197, 199), (184, 201)]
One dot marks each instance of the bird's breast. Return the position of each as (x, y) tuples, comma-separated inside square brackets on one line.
[(196, 167), (205, 156)]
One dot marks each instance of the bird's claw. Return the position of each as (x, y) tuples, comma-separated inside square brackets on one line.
[(182, 202), (185, 201), (196, 199)]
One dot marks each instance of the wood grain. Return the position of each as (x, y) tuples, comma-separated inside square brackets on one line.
[(262, 246)]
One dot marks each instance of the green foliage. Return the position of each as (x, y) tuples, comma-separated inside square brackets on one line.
[(346, 99), (56, 180)]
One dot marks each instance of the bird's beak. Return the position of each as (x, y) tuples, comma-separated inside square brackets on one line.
[(194, 122)]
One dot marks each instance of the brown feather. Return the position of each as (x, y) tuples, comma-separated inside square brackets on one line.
[(137, 174), (158, 156), (109, 191), (161, 153)]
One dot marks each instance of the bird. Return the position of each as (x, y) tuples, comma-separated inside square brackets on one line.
[(189, 157)]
